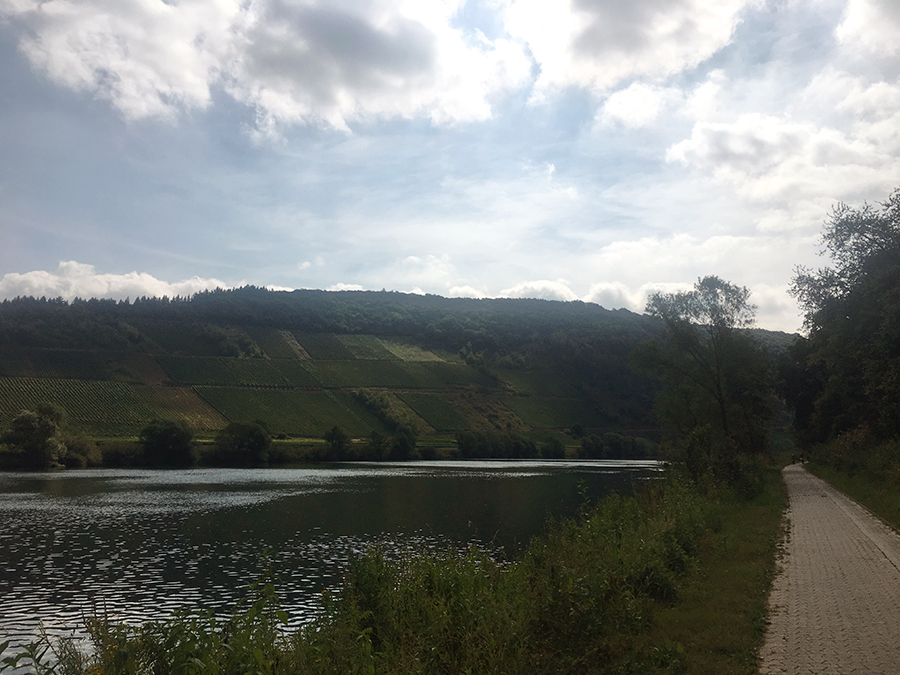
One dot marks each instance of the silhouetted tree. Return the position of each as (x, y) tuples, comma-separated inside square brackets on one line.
[(166, 443), (338, 444), (715, 397), (34, 434), (242, 444)]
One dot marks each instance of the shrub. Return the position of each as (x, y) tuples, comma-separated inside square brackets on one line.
[(168, 444)]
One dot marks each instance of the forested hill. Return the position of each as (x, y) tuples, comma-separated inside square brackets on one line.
[(495, 324), (303, 361)]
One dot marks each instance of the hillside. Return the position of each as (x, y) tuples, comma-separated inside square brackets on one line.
[(299, 360)]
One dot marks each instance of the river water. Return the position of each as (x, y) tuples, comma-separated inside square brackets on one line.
[(137, 544)]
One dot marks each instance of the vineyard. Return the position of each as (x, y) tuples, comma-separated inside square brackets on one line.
[(84, 401), (292, 412), (366, 347), (436, 410), (323, 347), (300, 384), (541, 412)]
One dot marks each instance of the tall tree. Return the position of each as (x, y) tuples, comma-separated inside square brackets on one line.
[(715, 396), (35, 435), (850, 361)]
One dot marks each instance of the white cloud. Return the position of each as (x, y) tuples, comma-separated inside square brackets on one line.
[(636, 106), (295, 61), (149, 59), (541, 289), (616, 295), (76, 280), (598, 44), (871, 26), (465, 292), (775, 162), (341, 286)]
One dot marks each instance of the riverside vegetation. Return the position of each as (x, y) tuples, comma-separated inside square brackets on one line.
[(843, 378), (672, 580)]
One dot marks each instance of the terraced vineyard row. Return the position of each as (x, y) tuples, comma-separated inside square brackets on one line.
[(292, 412)]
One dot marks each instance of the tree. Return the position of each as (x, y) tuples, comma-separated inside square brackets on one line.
[(243, 444), (863, 244), (848, 366), (35, 435), (338, 444), (715, 383), (167, 443)]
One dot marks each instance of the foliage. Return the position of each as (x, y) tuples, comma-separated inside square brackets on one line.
[(242, 444), (494, 445), (81, 451), (667, 581), (615, 446), (34, 436), (167, 443), (338, 442), (846, 374), (715, 398)]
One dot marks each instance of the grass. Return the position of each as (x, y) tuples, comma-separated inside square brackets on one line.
[(878, 493), (720, 619), (668, 581)]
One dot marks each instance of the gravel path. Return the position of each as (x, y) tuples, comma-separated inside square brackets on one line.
[(835, 604)]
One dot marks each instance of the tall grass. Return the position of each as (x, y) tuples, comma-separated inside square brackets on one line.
[(606, 592)]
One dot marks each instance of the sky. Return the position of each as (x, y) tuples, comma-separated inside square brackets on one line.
[(591, 150)]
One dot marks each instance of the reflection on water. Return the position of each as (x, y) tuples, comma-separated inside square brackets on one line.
[(137, 544)]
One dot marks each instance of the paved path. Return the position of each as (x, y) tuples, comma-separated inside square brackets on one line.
[(835, 604)]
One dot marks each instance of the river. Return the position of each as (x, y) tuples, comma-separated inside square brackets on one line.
[(137, 544)]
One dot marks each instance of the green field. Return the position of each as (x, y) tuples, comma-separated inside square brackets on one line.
[(436, 410), (355, 374), (89, 405), (197, 370), (541, 412), (323, 346), (366, 347), (297, 375), (172, 403), (540, 382), (292, 412), (275, 343), (408, 352), (255, 373)]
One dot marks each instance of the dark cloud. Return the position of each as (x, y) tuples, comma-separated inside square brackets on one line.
[(323, 51)]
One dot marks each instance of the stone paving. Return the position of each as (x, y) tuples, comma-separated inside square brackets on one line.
[(835, 604)]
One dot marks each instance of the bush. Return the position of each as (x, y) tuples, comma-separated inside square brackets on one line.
[(168, 444), (242, 444), (33, 438)]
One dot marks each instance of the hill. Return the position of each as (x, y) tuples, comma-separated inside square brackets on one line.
[(304, 361)]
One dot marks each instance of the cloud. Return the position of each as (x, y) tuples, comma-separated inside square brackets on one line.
[(341, 286), (149, 59), (541, 290), (295, 61), (465, 292), (636, 106), (776, 162), (597, 44), (75, 280), (871, 26)]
